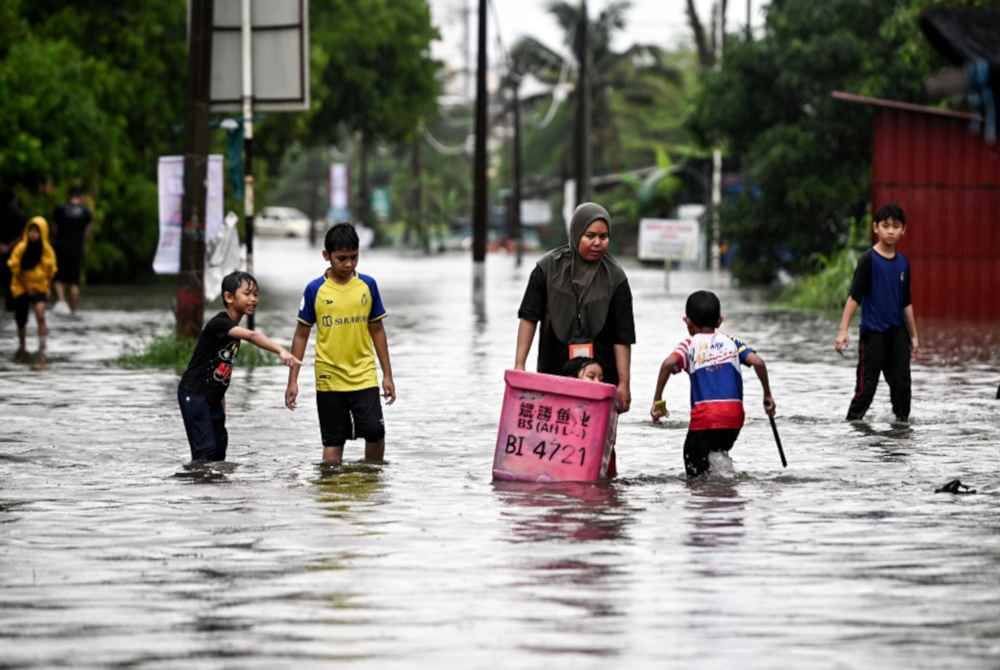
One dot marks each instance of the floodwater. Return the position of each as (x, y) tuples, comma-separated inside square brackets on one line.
[(112, 554)]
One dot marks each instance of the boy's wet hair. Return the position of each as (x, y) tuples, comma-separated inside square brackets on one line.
[(576, 365), (703, 309), (232, 282), (890, 211), (341, 236)]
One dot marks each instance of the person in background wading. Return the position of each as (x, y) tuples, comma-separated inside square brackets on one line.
[(582, 298), (72, 228)]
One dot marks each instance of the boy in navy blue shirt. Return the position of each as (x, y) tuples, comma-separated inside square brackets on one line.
[(888, 333)]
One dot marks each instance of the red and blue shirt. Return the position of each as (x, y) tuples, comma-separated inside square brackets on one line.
[(712, 360)]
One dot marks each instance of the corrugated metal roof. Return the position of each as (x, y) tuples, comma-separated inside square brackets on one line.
[(905, 106)]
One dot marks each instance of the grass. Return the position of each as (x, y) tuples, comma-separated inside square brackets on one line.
[(170, 351), (827, 288)]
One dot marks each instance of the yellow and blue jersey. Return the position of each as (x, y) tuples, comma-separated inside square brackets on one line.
[(345, 356)]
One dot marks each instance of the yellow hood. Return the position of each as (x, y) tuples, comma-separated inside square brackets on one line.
[(43, 227)]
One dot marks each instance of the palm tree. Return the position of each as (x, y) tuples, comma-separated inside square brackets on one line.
[(609, 70)]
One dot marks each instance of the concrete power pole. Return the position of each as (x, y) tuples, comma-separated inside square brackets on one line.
[(191, 280), (246, 36), (583, 105), (717, 152), (515, 221), (479, 186)]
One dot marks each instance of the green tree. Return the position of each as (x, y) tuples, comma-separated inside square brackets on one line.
[(92, 95), (633, 75), (378, 78), (805, 155)]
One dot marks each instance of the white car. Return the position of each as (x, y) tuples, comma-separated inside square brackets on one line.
[(281, 222)]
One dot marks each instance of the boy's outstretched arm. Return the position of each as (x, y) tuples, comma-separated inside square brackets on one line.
[(911, 325), (850, 307), (262, 341), (377, 331), (669, 366), (299, 341), (761, 369)]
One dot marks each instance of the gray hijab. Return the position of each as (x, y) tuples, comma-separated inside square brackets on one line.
[(577, 288)]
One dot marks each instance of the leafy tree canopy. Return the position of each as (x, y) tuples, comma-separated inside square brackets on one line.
[(805, 156), (376, 73)]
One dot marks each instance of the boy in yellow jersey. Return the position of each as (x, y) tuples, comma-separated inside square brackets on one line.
[(347, 310)]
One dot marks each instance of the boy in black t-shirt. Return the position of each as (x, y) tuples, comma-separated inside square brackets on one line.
[(888, 332), (202, 389)]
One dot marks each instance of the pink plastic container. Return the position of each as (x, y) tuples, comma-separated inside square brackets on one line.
[(554, 429)]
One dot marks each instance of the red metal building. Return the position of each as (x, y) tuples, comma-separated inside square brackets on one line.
[(947, 180)]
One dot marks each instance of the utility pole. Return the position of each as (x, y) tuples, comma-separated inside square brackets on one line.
[(191, 280), (749, 14), (479, 186), (717, 152), (583, 158), (248, 204), (515, 221), (315, 171), (415, 219)]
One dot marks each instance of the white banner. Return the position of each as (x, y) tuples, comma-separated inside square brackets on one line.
[(339, 208), (170, 182), (660, 239), (535, 212)]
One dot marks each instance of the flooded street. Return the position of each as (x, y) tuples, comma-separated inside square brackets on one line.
[(112, 555)]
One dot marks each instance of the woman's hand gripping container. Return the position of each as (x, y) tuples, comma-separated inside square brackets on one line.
[(554, 429)]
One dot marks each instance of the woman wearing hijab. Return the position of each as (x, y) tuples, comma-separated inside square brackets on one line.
[(32, 265), (582, 298)]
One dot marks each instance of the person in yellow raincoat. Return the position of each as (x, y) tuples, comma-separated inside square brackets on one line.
[(32, 265)]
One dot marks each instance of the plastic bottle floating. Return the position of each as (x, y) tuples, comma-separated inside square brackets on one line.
[(554, 429)]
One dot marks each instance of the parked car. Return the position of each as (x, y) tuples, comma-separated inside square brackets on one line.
[(281, 222)]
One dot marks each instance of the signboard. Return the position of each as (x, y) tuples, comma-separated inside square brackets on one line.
[(339, 201), (380, 202), (660, 239), (170, 184), (279, 53), (535, 212)]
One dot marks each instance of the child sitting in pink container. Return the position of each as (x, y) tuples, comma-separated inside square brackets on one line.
[(589, 369)]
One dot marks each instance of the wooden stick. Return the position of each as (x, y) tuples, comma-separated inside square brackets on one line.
[(781, 452)]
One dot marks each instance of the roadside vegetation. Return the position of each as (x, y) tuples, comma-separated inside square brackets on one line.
[(826, 288), (170, 351)]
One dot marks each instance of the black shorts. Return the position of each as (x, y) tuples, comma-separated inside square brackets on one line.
[(699, 443), (68, 264), (22, 306), (205, 425), (348, 415)]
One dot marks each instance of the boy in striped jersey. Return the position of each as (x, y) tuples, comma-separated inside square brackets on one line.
[(712, 360)]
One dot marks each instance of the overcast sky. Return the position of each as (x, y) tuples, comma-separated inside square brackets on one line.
[(661, 22)]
